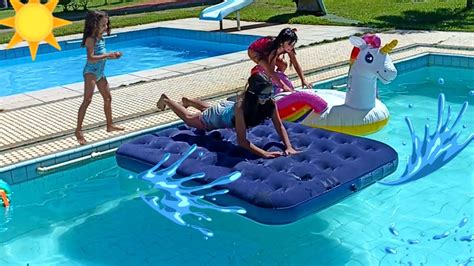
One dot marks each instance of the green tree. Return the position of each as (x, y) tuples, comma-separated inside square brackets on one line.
[(469, 4)]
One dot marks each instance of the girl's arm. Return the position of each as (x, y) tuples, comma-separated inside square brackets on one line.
[(241, 131), (90, 43), (270, 69), (298, 69), (281, 130)]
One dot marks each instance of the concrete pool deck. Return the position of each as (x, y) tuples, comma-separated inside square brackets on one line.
[(40, 123)]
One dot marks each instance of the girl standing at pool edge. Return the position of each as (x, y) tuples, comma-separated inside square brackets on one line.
[(97, 23)]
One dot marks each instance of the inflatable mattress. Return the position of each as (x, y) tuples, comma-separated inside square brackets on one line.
[(330, 166)]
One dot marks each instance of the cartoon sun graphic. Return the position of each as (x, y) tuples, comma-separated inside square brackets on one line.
[(34, 22)]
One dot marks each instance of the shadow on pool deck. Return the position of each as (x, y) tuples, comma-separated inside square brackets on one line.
[(247, 27)]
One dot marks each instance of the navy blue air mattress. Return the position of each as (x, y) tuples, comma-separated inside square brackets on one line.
[(330, 167)]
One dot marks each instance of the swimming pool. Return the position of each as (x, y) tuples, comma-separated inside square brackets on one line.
[(147, 49), (92, 214)]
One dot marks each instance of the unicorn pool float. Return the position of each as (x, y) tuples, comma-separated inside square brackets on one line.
[(357, 111), (4, 193)]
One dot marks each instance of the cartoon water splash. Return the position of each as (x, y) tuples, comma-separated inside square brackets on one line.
[(454, 233), (435, 150), (467, 262), (178, 200)]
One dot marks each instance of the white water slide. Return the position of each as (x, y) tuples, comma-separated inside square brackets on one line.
[(221, 10)]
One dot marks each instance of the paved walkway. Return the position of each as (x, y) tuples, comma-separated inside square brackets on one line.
[(32, 131)]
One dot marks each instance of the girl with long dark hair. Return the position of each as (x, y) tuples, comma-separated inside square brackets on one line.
[(268, 53), (96, 25), (253, 107)]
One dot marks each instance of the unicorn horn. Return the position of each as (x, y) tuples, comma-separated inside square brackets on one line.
[(388, 47)]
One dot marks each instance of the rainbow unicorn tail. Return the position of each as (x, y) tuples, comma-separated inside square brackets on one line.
[(295, 106)]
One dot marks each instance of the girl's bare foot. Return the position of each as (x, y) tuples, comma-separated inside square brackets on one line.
[(185, 102), (114, 128), (80, 138), (161, 105)]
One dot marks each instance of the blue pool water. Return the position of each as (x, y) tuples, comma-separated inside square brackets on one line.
[(93, 214), (20, 75)]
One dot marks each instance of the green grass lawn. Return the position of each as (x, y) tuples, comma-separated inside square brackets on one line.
[(407, 14), (279, 11), (401, 14)]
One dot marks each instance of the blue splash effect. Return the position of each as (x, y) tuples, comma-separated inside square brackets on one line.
[(434, 151), (390, 250), (413, 241), (441, 236), (179, 199), (463, 222), (467, 262), (424, 241), (393, 230), (468, 238)]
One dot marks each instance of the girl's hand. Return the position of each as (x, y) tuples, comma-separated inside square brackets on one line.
[(272, 154), (307, 85), (290, 151), (111, 55), (118, 54)]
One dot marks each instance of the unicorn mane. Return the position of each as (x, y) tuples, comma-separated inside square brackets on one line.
[(372, 40)]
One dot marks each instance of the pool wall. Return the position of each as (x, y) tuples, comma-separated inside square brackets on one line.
[(27, 170)]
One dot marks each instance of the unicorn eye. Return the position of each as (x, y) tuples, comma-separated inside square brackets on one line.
[(369, 58)]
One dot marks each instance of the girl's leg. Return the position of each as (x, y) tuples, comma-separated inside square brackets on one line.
[(89, 85), (189, 118), (103, 86), (281, 64), (196, 103)]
